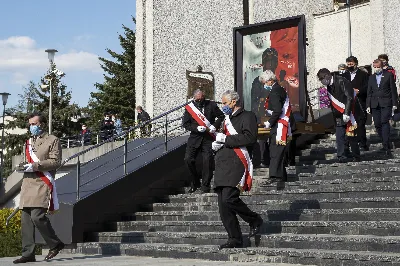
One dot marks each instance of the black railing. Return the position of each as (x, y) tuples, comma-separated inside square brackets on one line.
[(161, 127)]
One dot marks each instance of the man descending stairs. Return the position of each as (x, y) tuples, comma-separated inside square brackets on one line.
[(328, 213)]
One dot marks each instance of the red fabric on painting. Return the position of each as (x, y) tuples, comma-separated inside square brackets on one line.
[(286, 43)]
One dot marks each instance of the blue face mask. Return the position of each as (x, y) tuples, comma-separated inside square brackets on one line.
[(227, 110), (268, 88), (35, 130)]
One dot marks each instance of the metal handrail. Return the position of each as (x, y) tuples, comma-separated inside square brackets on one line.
[(122, 134)]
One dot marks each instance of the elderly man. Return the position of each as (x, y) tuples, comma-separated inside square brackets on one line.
[(382, 101), (281, 123), (234, 168), (38, 192), (202, 118)]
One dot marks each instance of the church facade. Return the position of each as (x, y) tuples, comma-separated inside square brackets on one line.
[(173, 36)]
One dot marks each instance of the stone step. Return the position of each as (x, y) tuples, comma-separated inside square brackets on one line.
[(341, 203), (308, 184), (373, 214), (378, 228), (389, 244), (267, 255), (341, 191)]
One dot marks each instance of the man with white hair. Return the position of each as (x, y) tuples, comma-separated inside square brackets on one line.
[(281, 124), (234, 168)]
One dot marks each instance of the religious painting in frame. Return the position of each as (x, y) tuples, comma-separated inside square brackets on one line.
[(278, 46)]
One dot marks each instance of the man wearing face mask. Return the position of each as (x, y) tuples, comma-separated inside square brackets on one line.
[(341, 95), (281, 124), (359, 81), (38, 196), (385, 65), (342, 68), (85, 136), (234, 168), (382, 101), (202, 118)]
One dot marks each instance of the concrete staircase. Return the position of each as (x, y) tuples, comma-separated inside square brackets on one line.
[(328, 213)]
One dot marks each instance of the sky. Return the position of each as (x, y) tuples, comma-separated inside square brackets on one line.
[(79, 30)]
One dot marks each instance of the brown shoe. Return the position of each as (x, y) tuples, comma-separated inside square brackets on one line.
[(53, 252), (24, 260)]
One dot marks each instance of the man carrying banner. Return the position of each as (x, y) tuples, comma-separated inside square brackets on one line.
[(342, 95), (234, 168), (281, 124), (38, 191), (202, 118)]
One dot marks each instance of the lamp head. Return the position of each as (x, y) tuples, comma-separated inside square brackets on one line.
[(4, 97), (51, 53)]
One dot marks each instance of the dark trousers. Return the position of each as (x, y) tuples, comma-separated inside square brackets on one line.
[(341, 143), (278, 154), (361, 132), (261, 153), (31, 218), (381, 117), (229, 204), (207, 169)]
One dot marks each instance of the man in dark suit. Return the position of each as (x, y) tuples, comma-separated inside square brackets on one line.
[(281, 124), (359, 81), (382, 101), (200, 139), (143, 116), (341, 95), (233, 169)]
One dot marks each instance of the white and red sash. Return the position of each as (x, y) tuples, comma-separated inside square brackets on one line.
[(284, 131), (340, 107), (199, 117), (244, 156), (45, 176)]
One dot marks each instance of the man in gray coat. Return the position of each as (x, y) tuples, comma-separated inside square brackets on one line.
[(38, 193)]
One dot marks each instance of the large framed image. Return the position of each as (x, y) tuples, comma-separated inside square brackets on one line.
[(278, 46)]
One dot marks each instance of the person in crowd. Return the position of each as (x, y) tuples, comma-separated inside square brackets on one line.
[(281, 124), (359, 81), (107, 127), (382, 100), (202, 118), (234, 169), (38, 197), (385, 65), (117, 124), (142, 117), (341, 94), (342, 68), (85, 135)]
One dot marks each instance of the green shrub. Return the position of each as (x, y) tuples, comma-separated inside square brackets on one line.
[(10, 237)]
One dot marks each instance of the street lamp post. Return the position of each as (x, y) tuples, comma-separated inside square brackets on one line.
[(51, 53), (4, 97), (349, 25)]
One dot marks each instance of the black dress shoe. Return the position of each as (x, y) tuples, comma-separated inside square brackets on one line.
[(231, 245), (364, 148), (256, 227), (24, 260), (356, 159), (192, 190), (205, 191), (53, 252)]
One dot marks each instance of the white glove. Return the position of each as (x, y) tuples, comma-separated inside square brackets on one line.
[(393, 109), (267, 124), (220, 137), (201, 128), (216, 145), (346, 118), (28, 168), (212, 129), (368, 110)]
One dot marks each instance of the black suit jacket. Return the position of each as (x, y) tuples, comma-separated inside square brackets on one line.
[(277, 98), (213, 114), (229, 168), (383, 94), (359, 82)]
